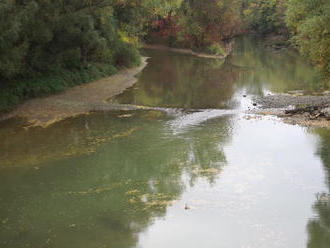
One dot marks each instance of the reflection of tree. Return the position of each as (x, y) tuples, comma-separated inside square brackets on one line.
[(173, 80), (319, 228), (205, 155), (106, 197), (279, 72)]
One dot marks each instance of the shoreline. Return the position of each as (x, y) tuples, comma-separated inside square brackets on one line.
[(78, 100), (184, 51), (306, 110)]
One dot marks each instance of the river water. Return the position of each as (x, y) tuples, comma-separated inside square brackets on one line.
[(195, 171)]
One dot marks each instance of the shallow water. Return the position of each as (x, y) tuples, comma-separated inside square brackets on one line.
[(198, 172)]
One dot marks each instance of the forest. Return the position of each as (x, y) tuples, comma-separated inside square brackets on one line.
[(48, 46)]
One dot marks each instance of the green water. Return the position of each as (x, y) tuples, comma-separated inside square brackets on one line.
[(123, 179)]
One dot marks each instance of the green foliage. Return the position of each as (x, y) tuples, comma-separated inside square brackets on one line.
[(39, 36), (13, 45), (215, 49), (127, 56), (265, 16), (309, 23), (47, 46)]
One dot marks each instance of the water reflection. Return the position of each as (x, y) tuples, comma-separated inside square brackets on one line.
[(177, 81), (261, 198), (265, 70), (319, 227), (110, 191)]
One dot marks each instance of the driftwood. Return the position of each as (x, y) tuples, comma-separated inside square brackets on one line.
[(313, 112), (301, 110)]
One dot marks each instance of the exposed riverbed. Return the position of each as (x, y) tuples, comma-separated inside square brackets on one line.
[(188, 163), (78, 100), (304, 110)]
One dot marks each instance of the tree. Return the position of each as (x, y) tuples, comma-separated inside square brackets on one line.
[(265, 16), (207, 22), (309, 23)]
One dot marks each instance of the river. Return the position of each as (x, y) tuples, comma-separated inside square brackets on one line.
[(194, 170)]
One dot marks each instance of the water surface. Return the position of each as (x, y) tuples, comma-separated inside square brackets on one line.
[(197, 172)]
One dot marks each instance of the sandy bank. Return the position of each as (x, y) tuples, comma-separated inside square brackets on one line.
[(77, 100)]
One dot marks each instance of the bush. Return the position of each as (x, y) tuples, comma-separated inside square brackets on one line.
[(265, 16), (127, 56), (215, 49)]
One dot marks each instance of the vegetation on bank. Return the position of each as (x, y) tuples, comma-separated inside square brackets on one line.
[(309, 24), (209, 25), (47, 46), (54, 82), (203, 26), (306, 23)]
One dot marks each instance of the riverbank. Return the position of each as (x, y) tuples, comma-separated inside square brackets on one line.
[(77, 100), (305, 110), (13, 93), (185, 51)]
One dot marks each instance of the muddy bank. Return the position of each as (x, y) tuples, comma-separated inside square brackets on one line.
[(78, 100), (303, 110), (185, 51)]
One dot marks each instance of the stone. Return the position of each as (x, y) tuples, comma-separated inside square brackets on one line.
[(326, 112)]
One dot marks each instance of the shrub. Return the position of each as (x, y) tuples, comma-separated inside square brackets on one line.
[(215, 49), (127, 56)]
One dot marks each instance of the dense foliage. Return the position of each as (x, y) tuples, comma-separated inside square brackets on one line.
[(309, 23), (202, 25), (265, 16), (41, 36), (207, 23), (47, 46)]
